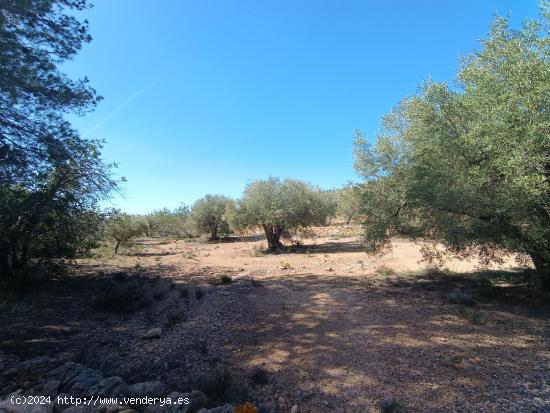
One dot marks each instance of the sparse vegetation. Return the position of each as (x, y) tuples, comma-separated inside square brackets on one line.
[(473, 316), (257, 251), (222, 279), (122, 299), (385, 271), (190, 255), (285, 266)]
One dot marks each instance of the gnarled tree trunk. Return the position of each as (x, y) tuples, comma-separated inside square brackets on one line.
[(117, 245), (213, 224), (273, 235)]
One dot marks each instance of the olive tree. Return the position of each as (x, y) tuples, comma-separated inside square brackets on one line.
[(122, 228), (279, 205), (349, 202), (169, 223), (208, 215), (470, 167)]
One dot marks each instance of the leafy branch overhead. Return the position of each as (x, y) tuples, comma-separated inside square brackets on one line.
[(470, 167)]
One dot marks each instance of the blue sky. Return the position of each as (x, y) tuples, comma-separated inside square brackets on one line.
[(204, 96)]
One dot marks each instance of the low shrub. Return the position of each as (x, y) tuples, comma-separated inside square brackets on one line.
[(258, 251), (122, 299), (174, 319), (285, 266), (259, 376), (385, 271), (222, 279)]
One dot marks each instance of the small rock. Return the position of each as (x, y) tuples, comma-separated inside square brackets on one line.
[(294, 409), (77, 379), (147, 389), (197, 399), (111, 386), (6, 406), (153, 333)]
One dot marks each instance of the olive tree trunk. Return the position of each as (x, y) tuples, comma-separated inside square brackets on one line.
[(273, 235), (213, 224), (117, 245)]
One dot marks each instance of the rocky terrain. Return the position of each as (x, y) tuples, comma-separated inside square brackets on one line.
[(321, 328)]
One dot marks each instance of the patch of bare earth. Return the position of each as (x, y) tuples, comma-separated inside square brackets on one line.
[(326, 328)]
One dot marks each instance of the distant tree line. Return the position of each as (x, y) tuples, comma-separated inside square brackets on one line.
[(276, 206)]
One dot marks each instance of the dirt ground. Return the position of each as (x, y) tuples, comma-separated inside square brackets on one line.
[(327, 328)]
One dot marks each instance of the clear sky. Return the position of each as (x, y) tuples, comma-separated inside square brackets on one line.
[(204, 96)]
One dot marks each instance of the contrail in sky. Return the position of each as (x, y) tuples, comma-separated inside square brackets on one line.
[(120, 107)]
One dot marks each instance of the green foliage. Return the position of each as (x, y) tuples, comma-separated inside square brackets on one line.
[(280, 206), (121, 228), (349, 202), (470, 167), (208, 215), (51, 179), (169, 223), (330, 204)]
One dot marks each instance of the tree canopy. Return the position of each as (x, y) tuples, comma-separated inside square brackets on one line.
[(470, 166), (122, 228), (349, 202), (208, 215), (51, 179), (278, 205)]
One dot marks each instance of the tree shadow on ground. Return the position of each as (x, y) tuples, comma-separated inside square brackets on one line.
[(327, 343), (243, 238), (43, 315), (337, 344), (325, 248), (336, 247)]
